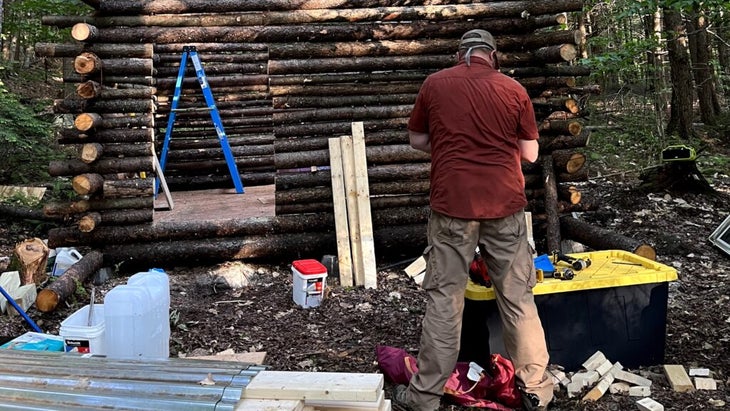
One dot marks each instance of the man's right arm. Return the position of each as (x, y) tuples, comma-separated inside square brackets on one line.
[(420, 141)]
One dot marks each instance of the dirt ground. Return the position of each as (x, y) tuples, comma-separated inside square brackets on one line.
[(342, 333)]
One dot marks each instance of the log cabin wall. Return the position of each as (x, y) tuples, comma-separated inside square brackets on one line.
[(288, 75)]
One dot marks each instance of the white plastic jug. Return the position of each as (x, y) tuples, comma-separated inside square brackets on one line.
[(65, 258), (136, 317)]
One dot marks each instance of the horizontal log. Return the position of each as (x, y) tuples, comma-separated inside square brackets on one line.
[(132, 7), (316, 32), (355, 78), (284, 51), (349, 64), (376, 173), (218, 181), (103, 166), (64, 286), (251, 67), (338, 128), (435, 12), (333, 90), (89, 222), (537, 85), (571, 127), (385, 203), (113, 135), (340, 113), (562, 142), (211, 153), (26, 213), (342, 101), (87, 183), (321, 194), (82, 206), (599, 238), (208, 58), (548, 71), (84, 32), (78, 106), (394, 240), (395, 153), (303, 143), (195, 140), (88, 63), (219, 166), (92, 89), (568, 161), (91, 152), (131, 187), (101, 50)]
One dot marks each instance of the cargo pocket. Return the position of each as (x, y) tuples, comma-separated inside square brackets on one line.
[(430, 280)]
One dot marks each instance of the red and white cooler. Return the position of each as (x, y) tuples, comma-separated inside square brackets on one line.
[(310, 281)]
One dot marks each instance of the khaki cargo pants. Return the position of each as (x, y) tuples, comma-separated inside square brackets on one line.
[(510, 265)]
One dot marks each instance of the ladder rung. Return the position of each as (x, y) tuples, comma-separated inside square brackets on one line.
[(192, 109)]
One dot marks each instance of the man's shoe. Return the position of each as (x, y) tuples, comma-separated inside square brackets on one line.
[(400, 400), (531, 402)]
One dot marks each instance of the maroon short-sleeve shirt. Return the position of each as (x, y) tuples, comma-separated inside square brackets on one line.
[(474, 116)]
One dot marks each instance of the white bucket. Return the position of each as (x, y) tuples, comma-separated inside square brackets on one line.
[(137, 318), (65, 258), (79, 336), (310, 281)]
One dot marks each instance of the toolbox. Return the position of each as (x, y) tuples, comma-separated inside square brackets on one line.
[(617, 305)]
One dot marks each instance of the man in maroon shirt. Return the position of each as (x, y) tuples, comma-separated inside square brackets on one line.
[(478, 124)]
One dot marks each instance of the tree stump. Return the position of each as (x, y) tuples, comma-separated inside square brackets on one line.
[(678, 176)]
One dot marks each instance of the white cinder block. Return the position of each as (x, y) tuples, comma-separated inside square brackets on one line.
[(640, 391), (647, 404)]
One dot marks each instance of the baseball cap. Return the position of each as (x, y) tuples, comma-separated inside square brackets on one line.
[(476, 38)]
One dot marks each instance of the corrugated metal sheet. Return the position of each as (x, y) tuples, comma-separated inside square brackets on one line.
[(37, 380)]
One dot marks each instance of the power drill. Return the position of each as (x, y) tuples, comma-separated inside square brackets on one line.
[(577, 263)]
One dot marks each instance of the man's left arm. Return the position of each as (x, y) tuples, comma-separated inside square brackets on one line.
[(420, 141)]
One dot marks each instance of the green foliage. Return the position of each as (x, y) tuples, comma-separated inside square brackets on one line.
[(26, 143), (22, 19)]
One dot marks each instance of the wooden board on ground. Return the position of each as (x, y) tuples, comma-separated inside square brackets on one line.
[(344, 255), (254, 404), (244, 357), (24, 296), (416, 267), (30, 192), (330, 386), (378, 405)]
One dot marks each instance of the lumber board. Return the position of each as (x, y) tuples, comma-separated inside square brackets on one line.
[(323, 405), (243, 357), (256, 404), (342, 231), (416, 267), (330, 386), (348, 169), (678, 378), (367, 242)]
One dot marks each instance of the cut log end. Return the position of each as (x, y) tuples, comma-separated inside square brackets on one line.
[(646, 251), (47, 300)]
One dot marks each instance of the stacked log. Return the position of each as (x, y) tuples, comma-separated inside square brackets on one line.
[(286, 76)]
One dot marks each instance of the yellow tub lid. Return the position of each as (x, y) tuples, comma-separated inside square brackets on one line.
[(609, 268)]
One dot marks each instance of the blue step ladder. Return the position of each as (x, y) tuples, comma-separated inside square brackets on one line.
[(190, 51)]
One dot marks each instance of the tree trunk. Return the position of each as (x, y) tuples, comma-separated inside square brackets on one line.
[(65, 286), (551, 203), (602, 239), (680, 120), (91, 152), (81, 206), (702, 67)]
